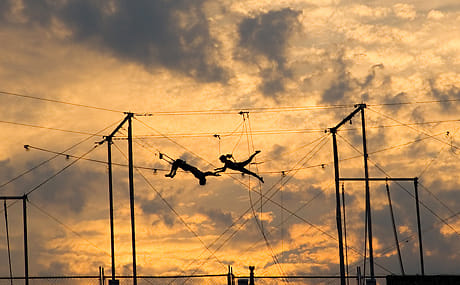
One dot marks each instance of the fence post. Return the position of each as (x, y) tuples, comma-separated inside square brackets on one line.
[(229, 275), (358, 276), (251, 275), (101, 275)]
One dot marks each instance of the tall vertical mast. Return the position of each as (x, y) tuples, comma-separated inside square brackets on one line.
[(368, 199), (338, 215), (131, 194)]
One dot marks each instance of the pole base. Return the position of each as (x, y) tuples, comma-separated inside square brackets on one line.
[(371, 282)]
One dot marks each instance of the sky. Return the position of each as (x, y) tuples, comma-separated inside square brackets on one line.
[(69, 70)]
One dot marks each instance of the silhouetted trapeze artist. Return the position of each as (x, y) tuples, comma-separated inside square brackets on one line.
[(238, 166), (179, 163)]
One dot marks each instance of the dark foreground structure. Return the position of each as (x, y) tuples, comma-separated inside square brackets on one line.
[(423, 280)]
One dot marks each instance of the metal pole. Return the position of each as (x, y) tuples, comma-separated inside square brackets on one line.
[(5, 208), (131, 194), (101, 279), (345, 231), (26, 257), (251, 275), (368, 200), (229, 275), (394, 230), (112, 235), (419, 225), (338, 211)]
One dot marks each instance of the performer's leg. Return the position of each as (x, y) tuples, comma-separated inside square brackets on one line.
[(247, 161), (244, 170)]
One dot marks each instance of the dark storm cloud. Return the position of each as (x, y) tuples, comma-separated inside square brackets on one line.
[(370, 77), (5, 7), (170, 34), (344, 84), (394, 99), (277, 151), (220, 218), (341, 84), (435, 243), (158, 207), (453, 92), (70, 191), (267, 35)]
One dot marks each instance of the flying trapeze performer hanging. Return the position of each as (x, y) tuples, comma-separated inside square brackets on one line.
[(238, 166), (179, 163)]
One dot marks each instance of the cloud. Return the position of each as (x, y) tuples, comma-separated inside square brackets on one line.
[(263, 40), (5, 7), (343, 83), (218, 217), (435, 15), (170, 34), (444, 93), (70, 190), (157, 206), (405, 11)]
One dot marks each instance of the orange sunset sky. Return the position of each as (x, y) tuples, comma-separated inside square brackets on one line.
[(69, 69)]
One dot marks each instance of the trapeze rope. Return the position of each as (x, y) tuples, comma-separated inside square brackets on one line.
[(259, 222)]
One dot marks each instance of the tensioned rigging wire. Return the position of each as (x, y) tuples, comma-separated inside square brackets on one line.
[(67, 227), (241, 217), (219, 136), (60, 171), (182, 146), (160, 169), (407, 191), (413, 236), (238, 142), (285, 108), (322, 231), (284, 220), (56, 174), (403, 241), (305, 221), (8, 241), (226, 111), (255, 159), (244, 214), (412, 128), (57, 154), (173, 141), (260, 221), (171, 207), (421, 202), (435, 158), (58, 101), (270, 132), (435, 197), (157, 169), (419, 102), (403, 144), (63, 153), (46, 128)]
